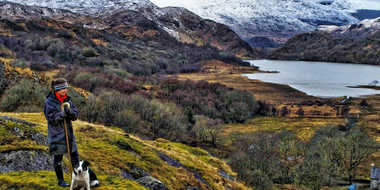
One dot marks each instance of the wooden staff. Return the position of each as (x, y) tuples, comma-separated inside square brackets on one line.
[(67, 137)]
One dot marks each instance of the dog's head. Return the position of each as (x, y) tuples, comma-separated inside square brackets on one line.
[(80, 166)]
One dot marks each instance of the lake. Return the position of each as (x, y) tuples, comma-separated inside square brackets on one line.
[(319, 79)]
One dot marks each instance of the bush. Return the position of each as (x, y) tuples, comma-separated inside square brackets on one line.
[(128, 120), (211, 99), (238, 112), (130, 112), (78, 99), (241, 106), (26, 96), (93, 78), (89, 52), (258, 163), (266, 108), (43, 66), (166, 119), (19, 63)]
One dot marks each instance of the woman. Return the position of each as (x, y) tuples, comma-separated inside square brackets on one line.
[(56, 131)]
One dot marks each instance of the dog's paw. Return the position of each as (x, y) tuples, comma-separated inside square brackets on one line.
[(94, 183)]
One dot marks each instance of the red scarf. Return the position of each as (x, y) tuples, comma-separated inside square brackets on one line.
[(61, 99)]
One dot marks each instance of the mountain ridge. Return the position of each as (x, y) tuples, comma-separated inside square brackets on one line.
[(354, 43), (273, 22), (171, 20)]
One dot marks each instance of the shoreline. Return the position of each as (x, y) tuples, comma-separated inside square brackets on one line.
[(279, 95), (366, 86), (230, 75)]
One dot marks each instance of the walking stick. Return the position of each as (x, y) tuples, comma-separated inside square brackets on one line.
[(67, 137)]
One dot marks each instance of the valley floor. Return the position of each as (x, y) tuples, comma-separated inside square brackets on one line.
[(315, 116)]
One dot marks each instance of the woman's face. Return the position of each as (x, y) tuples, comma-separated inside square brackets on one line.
[(62, 92)]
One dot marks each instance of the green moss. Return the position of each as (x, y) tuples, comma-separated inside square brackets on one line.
[(192, 150), (15, 136), (46, 180)]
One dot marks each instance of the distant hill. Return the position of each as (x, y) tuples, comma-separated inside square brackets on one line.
[(362, 14), (355, 43)]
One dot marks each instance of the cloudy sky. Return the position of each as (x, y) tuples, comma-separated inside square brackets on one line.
[(163, 3)]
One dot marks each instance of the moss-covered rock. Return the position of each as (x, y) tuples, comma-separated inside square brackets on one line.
[(152, 183)]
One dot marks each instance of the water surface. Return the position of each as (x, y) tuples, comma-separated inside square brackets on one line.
[(319, 79)]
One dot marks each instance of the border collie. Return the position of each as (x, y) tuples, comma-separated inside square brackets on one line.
[(81, 176)]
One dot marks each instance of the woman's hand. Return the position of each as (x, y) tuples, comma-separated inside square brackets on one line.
[(69, 112)]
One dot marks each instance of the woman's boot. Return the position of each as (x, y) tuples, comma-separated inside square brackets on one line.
[(59, 173)]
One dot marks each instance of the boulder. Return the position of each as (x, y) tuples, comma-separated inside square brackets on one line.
[(26, 161), (152, 183)]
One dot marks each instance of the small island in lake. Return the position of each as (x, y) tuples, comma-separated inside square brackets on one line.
[(365, 86)]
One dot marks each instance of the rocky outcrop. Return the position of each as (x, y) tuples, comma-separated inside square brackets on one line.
[(24, 131), (25, 161), (134, 173), (143, 178), (16, 120), (169, 160), (152, 183)]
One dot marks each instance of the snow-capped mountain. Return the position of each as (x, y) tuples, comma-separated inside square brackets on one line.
[(361, 29), (253, 20), (90, 7), (276, 19)]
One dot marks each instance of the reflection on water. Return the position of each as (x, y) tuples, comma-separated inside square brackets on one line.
[(319, 78)]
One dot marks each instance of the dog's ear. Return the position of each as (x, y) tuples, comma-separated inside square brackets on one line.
[(86, 164), (75, 162)]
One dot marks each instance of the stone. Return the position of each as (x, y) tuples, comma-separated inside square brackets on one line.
[(26, 161), (152, 183)]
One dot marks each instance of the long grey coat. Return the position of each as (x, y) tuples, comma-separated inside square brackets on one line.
[(56, 131)]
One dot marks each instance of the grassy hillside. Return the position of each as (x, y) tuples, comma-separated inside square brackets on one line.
[(110, 152)]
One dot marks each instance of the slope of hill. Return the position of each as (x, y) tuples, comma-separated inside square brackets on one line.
[(119, 160), (179, 23), (355, 43), (129, 42)]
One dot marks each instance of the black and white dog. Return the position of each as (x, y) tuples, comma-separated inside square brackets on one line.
[(82, 177)]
